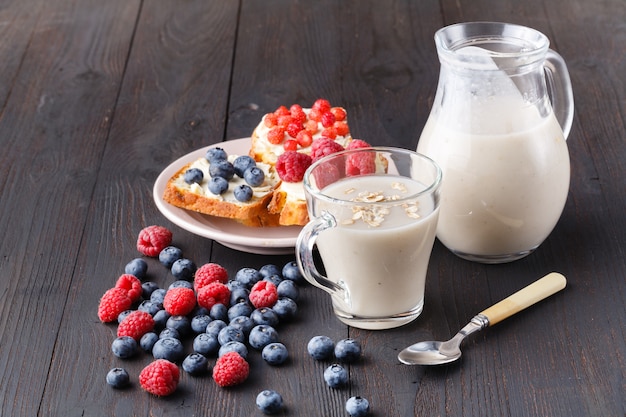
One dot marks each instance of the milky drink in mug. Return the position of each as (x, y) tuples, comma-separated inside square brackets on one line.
[(374, 234)]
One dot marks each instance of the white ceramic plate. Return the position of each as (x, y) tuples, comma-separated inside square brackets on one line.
[(260, 240)]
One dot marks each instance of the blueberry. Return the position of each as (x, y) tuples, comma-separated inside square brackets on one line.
[(238, 295), (292, 272), (243, 193), (243, 323), (320, 347), (199, 323), (195, 364), (261, 336), (336, 376), (248, 276), (242, 163), (205, 344), (222, 168), (193, 176), (234, 346), (264, 315), (288, 288), (122, 315), (158, 295), (169, 255), (150, 307), (124, 347), (348, 350), (147, 288), (233, 284), (181, 324), (160, 319), (214, 327), (254, 176), (274, 279), (242, 308), (168, 332), (137, 267), (180, 283), (219, 312), (184, 269), (218, 185), (275, 353), (285, 308), (269, 270), (168, 348), (147, 341), (269, 402), (230, 334), (215, 154), (357, 407), (118, 378)]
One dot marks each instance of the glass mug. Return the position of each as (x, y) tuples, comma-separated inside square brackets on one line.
[(497, 129), (373, 220)]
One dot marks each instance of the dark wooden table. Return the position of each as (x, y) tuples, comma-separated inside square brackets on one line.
[(98, 97)]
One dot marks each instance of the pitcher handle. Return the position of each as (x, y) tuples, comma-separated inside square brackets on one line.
[(560, 88), (304, 253)]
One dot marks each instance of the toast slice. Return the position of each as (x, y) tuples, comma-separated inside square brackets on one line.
[(197, 197)]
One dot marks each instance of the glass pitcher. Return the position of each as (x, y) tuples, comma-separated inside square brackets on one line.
[(502, 111)]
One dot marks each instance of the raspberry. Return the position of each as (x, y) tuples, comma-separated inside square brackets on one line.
[(293, 128), (208, 273), (322, 105), (360, 164), (358, 144), (153, 239), (297, 113), (323, 147), (263, 294), (270, 120), (131, 285), (160, 377), (213, 293), (179, 301), (292, 165), (282, 111), (339, 113), (135, 325), (304, 138), (311, 126), (113, 302), (342, 128), (291, 144), (230, 369), (328, 119), (276, 135), (315, 115), (329, 132)]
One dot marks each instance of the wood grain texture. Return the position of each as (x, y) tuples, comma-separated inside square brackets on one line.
[(97, 98)]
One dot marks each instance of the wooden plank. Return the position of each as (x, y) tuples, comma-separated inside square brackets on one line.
[(61, 81), (172, 100)]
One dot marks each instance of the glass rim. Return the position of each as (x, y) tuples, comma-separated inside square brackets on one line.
[(431, 187)]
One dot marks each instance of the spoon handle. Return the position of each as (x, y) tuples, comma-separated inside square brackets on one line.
[(527, 296)]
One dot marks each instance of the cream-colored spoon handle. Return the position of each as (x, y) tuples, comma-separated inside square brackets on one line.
[(527, 296)]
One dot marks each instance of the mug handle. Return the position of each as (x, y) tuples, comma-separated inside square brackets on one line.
[(304, 253), (560, 88)]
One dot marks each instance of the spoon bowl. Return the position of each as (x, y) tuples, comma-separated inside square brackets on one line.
[(438, 353)]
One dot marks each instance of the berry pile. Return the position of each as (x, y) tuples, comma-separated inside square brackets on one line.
[(222, 318), (221, 171), (294, 127)]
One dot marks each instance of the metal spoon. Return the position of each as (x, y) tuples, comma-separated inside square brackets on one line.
[(437, 353)]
